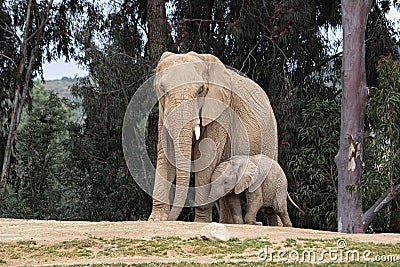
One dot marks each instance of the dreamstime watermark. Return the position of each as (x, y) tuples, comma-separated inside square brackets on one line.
[(340, 253)]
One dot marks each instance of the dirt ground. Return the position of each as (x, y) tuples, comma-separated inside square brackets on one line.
[(50, 232)]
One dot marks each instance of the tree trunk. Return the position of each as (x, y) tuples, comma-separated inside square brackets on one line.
[(354, 99), (18, 94), (157, 30), (156, 45), (22, 80)]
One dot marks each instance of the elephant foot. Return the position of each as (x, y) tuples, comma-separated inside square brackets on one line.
[(157, 218), (159, 214), (203, 215), (285, 219), (253, 222)]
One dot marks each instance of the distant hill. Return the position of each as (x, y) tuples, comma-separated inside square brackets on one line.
[(61, 87)]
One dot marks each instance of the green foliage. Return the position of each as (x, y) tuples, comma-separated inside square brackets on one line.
[(39, 188), (117, 69), (380, 41), (311, 165), (31, 32), (382, 145)]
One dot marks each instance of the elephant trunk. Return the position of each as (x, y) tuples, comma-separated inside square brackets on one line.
[(216, 192), (182, 123), (183, 152)]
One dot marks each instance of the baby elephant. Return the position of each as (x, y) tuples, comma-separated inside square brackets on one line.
[(263, 181)]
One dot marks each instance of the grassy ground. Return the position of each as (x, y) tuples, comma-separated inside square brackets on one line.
[(197, 252)]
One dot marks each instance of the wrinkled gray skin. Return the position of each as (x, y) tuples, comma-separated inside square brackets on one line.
[(235, 118), (262, 180)]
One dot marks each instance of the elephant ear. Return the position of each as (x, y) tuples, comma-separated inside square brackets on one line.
[(165, 55), (218, 81), (156, 82), (264, 164), (247, 171)]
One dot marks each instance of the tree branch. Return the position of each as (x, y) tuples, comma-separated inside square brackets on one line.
[(44, 21), (329, 59), (25, 38), (8, 58), (385, 199), (248, 56), (28, 76), (8, 29)]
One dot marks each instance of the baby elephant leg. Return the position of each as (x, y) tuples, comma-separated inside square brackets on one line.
[(284, 216), (272, 219), (254, 204), (235, 207)]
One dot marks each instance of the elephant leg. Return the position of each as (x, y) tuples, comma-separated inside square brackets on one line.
[(225, 211), (203, 212), (234, 207), (281, 209), (271, 217), (165, 175), (254, 204), (203, 152), (284, 216)]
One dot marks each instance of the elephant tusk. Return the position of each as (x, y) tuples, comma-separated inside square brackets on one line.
[(197, 132)]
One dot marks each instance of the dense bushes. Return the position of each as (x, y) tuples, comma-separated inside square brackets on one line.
[(311, 166)]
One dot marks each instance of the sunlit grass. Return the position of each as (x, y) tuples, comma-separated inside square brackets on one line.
[(186, 249)]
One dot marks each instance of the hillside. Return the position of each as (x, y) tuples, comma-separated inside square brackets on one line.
[(61, 87)]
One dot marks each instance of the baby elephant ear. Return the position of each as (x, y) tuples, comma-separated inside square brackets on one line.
[(246, 174), (264, 164)]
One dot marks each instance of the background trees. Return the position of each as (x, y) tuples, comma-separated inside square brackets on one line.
[(32, 31), (285, 46), (39, 186)]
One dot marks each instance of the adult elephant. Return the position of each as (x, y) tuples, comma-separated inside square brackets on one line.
[(207, 113)]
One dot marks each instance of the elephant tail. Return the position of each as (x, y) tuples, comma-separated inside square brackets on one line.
[(294, 204)]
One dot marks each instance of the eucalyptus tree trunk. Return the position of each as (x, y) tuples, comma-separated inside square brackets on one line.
[(156, 45), (22, 79), (354, 100), (157, 30)]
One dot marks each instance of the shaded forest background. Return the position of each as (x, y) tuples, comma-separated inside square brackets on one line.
[(70, 167)]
